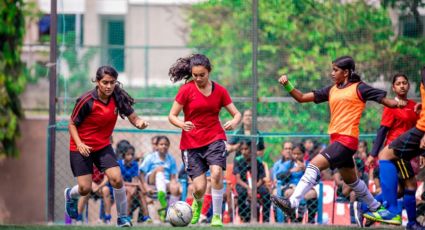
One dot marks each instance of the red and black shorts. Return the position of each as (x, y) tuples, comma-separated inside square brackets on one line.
[(197, 161), (406, 146), (103, 159), (339, 156)]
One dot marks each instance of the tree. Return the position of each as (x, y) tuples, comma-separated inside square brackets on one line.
[(12, 73), (301, 38), (409, 8)]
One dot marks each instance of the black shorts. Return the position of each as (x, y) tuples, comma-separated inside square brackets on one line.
[(103, 159), (404, 168), (406, 146), (339, 156), (197, 161)]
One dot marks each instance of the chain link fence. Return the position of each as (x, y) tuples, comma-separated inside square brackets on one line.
[(300, 38)]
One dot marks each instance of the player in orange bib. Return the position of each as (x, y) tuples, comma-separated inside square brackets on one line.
[(347, 97)]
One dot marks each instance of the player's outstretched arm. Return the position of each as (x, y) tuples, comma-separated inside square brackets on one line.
[(391, 103), (137, 121), (295, 93)]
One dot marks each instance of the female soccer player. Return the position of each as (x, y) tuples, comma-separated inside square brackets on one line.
[(395, 157), (347, 98), (203, 138), (92, 122)]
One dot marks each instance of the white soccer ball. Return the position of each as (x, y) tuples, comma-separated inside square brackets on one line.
[(179, 214)]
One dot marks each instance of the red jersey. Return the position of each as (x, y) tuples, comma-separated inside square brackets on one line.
[(95, 120), (421, 121), (203, 112), (399, 120)]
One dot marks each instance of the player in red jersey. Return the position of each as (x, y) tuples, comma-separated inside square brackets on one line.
[(203, 138), (394, 123), (91, 125)]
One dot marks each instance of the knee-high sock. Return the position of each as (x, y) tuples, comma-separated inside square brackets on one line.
[(409, 202), (207, 204), (74, 194), (217, 198), (364, 195), (308, 181), (388, 177), (160, 182), (161, 187), (121, 201)]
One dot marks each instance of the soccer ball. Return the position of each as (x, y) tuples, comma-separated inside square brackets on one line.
[(179, 214)]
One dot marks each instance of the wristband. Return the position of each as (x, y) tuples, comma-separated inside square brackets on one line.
[(289, 87)]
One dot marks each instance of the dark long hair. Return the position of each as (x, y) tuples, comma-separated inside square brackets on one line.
[(347, 63), (182, 69), (123, 99), (396, 76)]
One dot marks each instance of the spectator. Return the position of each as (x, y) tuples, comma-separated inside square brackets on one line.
[(241, 169), (245, 129), (121, 148), (130, 173), (160, 170), (294, 170), (279, 172), (309, 146)]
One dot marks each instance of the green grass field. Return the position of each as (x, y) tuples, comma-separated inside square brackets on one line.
[(163, 227)]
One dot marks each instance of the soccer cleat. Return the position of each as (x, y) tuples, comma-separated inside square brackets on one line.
[(162, 215), (414, 226), (124, 221), (384, 216), (70, 204), (216, 221), (358, 214), (107, 219), (147, 220), (284, 204), (196, 210)]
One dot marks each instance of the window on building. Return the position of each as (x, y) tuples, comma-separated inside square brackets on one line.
[(114, 40), (410, 27), (69, 28)]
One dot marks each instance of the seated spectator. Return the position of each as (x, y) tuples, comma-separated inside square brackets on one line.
[(279, 167), (294, 169), (245, 129), (242, 168), (160, 170), (99, 190), (279, 170), (121, 148), (130, 173)]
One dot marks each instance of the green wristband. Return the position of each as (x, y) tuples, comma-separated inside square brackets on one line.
[(289, 87)]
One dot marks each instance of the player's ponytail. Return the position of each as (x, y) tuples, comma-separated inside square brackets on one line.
[(182, 69), (123, 99), (347, 63)]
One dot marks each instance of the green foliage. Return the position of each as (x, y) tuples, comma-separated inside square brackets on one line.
[(12, 73), (301, 38), (409, 8), (77, 61)]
